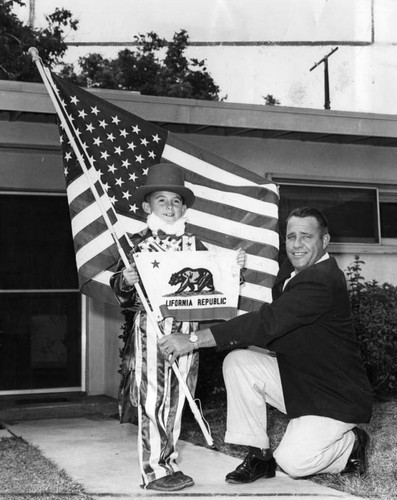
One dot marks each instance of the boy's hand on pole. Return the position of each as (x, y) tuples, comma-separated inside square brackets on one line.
[(130, 275)]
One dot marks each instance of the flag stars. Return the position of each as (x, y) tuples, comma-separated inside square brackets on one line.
[(111, 137), (151, 155), (118, 150), (104, 155), (94, 110), (112, 168), (66, 171), (112, 200), (132, 177), (144, 142), (68, 156), (125, 163), (90, 127), (145, 171), (131, 145), (139, 159), (74, 100), (115, 119), (156, 138), (82, 114), (133, 208), (123, 133), (97, 141), (136, 129), (119, 182), (126, 195), (102, 123)]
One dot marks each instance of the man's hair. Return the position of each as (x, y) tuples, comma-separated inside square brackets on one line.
[(310, 212)]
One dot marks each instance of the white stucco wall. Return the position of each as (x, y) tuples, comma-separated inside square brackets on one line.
[(265, 46)]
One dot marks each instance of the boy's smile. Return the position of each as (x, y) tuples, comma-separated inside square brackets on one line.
[(167, 205)]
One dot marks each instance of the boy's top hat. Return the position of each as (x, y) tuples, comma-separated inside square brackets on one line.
[(165, 177)]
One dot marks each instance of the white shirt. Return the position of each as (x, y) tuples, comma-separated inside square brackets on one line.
[(294, 273)]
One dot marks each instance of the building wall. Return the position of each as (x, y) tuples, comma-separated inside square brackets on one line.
[(338, 162), (31, 168)]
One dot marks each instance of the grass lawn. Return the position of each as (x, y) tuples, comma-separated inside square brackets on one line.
[(25, 474), (381, 479)]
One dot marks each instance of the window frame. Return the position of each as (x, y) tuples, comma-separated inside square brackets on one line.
[(337, 245)]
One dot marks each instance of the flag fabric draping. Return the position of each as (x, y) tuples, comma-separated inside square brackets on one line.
[(234, 207)]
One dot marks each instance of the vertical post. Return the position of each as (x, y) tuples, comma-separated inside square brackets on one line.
[(32, 13), (327, 102)]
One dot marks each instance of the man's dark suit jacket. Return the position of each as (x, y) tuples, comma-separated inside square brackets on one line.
[(309, 326)]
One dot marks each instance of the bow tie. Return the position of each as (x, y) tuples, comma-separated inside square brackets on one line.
[(163, 236)]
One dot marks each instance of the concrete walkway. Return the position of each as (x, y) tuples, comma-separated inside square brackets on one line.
[(100, 453)]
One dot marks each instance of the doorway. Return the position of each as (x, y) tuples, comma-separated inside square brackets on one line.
[(40, 303)]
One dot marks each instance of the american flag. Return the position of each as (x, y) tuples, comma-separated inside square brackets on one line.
[(234, 207)]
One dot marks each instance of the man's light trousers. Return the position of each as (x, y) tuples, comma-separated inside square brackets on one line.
[(310, 445)]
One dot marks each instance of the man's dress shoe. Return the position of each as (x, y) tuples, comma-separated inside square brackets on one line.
[(357, 463), (252, 469)]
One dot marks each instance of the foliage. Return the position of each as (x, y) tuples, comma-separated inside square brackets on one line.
[(16, 38), (270, 100), (374, 309), (145, 71)]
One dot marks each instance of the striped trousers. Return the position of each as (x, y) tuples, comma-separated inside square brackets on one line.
[(159, 399)]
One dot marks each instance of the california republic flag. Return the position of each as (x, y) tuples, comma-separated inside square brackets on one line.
[(191, 286)]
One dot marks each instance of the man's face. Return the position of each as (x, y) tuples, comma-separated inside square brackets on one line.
[(166, 205), (305, 244)]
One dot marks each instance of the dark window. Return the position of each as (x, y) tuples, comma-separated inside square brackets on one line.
[(352, 213), (388, 220), (36, 243), (40, 305)]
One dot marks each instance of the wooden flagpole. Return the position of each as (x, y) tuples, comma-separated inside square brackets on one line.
[(49, 84)]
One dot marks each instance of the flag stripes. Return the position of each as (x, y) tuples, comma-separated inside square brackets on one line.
[(229, 227), (234, 208), (242, 198)]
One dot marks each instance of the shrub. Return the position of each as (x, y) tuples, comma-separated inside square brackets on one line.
[(374, 310)]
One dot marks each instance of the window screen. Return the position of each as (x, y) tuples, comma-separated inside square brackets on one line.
[(352, 213)]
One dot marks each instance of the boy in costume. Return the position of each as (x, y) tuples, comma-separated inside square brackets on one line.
[(154, 387)]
